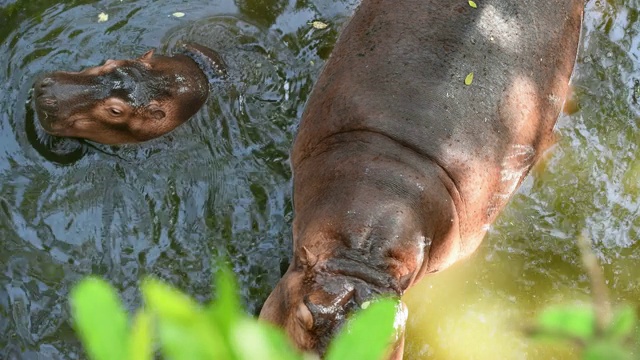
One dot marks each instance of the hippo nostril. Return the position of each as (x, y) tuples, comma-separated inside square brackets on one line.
[(46, 82), (48, 104)]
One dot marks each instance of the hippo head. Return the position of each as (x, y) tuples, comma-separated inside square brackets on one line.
[(315, 297), (127, 101)]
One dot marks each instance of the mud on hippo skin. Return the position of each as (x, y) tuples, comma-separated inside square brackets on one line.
[(127, 101)]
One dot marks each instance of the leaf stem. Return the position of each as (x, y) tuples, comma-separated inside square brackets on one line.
[(600, 293)]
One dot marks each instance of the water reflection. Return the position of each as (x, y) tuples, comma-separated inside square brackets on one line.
[(263, 12)]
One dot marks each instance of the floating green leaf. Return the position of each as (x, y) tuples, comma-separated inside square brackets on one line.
[(468, 79), (368, 335), (100, 319), (319, 25), (473, 4), (178, 14)]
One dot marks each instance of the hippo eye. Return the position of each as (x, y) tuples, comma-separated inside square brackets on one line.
[(115, 111)]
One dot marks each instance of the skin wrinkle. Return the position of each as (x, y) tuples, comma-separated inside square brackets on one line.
[(444, 176), (396, 160)]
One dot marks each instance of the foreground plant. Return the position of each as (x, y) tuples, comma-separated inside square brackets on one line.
[(177, 327), (601, 332)]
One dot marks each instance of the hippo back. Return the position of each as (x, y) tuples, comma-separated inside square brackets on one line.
[(390, 77)]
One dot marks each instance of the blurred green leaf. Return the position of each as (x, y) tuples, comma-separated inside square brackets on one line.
[(226, 312), (605, 351), (100, 319), (568, 321), (255, 340), (168, 301), (623, 322), (367, 335), (184, 330), (141, 341), (226, 309)]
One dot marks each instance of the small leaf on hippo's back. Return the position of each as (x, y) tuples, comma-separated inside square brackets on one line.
[(141, 339), (99, 319), (178, 14), (473, 4), (567, 321), (603, 350), (468, 79), (622, 323), (367, 335)]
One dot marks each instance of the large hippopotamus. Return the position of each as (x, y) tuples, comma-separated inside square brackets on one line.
[(400, 163)]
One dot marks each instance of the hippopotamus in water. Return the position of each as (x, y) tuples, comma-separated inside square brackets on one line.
[(127, 101), (400, 165)]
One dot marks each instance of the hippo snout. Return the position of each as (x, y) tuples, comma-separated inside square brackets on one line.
[(46, 103), (58, 95)]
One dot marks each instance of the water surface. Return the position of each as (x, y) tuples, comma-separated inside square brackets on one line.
[(220, 184)]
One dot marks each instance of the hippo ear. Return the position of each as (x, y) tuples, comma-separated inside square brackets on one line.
[(148, 55), (156, 112), (307, 258)]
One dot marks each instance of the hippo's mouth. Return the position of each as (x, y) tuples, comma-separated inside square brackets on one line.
[(207, 60), (344, 284), (342, 287)]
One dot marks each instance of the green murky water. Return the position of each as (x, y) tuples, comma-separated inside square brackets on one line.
[(221, 183)]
